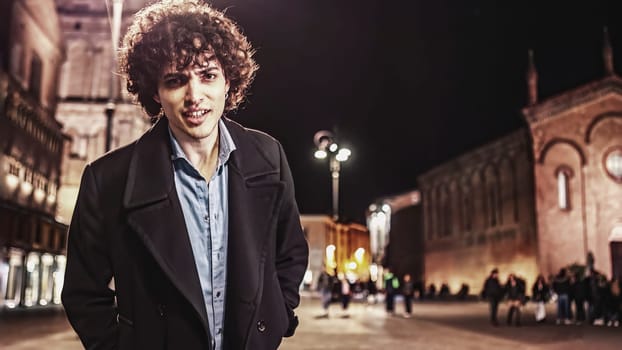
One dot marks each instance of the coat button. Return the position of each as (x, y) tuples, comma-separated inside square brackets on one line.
[(161, 309), (261, 326)]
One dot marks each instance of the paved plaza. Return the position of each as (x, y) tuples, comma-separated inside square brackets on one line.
[(434, 325)]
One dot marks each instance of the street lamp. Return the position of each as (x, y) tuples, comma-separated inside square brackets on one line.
[(328, 148), (113, 89)]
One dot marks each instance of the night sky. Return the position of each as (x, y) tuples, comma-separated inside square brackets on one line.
[(407, 85)]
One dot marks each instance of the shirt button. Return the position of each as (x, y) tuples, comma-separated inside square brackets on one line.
[(261, 326), (217, 294), (206, 218), (219, 330)]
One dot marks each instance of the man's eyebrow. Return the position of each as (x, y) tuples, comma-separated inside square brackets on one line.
[(172, 74)]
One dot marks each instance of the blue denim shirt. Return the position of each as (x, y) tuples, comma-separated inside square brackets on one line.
[(205, 208)]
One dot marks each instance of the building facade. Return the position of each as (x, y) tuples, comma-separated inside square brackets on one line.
[(577, 147), (535, 201), (32, 241), (87, 87), (478, 213)]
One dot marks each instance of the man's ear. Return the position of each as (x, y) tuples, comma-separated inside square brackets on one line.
[(156, 98)]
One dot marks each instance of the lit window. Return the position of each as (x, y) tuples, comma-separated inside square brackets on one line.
[(562, 190), (613, 164)]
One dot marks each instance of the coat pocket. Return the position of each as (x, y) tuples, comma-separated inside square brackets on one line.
[(126, 332)]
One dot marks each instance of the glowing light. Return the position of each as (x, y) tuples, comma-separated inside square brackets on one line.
[(39, 195), (320, 154), (11, 181), (333, 147), (359, 254), (26, 188), (386, 208), (373, 272), (330, 256), (351, 265)]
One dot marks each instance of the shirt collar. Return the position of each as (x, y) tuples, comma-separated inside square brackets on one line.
[(227, 146)]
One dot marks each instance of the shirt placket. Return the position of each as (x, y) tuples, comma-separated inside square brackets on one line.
[(217, 256)]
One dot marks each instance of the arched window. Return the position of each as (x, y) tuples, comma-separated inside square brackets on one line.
[(563, 187), (493, 204)]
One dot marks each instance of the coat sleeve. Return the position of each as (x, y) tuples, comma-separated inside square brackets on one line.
[(87, 297), (292, 251)]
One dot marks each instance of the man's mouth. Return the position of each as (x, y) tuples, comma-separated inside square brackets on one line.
[(195, 116)]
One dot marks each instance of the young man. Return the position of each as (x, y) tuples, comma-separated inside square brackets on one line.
[(196, 221)]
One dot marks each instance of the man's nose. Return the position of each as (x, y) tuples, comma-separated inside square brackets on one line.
[(193, 91)]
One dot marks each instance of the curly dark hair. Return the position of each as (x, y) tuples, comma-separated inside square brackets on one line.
[(182, 32)]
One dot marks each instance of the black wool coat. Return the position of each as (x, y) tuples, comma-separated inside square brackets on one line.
[(128, 225)]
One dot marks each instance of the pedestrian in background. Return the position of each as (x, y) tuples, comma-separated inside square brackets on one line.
[(325, 287), (540, 293), (580, 291), (493, 292), (515, 290), (561, 287), (372, 292), (346, 295), (408, 291), (391, 287)]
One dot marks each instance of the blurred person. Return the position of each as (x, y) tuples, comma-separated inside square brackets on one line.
[(372, 292), (346, 295), (431, 291), (325, 287), (515, 291), (463, 292), (579, 289), (493, 292), (408, 291), (595, 298), (561, 287), (613, 304), (391, 287), (444, 293), (196, 222), (540, 293)]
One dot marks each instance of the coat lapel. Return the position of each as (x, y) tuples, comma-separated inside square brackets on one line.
[(154, 212), (255, 192)]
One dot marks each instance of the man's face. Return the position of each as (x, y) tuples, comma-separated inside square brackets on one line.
[(193, 98)]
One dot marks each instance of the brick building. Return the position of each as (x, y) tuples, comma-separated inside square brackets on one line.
[(478, 213), (32, 242), (536, 200)]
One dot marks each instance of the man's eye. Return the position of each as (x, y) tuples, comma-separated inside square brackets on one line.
[(208, 75)]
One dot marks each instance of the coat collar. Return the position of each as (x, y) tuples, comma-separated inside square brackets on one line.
[(151, 178)]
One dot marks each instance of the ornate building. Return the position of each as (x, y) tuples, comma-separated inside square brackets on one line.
[(577, 147), (537, 200), (88, 86), (342, 246), (31, 146)]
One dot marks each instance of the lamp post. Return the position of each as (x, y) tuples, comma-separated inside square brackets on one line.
[(113, 89), (328, 148)]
